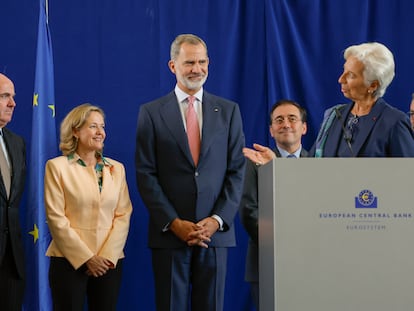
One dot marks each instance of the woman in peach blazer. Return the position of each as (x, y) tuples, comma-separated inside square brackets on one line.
[(88, 210)]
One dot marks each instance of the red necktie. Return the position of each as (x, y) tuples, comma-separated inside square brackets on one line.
[(193, 130)]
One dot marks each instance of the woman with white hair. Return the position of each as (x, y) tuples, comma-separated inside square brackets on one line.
[(367, 126)]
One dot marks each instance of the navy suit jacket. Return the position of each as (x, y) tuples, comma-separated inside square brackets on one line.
[(9, 207), (249, 216), (169, 183), (388, 134)]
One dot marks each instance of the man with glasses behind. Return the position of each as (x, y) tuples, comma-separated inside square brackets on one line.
[(287, 125)]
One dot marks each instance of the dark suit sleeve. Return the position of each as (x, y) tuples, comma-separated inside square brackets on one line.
[(228, 202), (248, 207), (17, 153), (147, 173)]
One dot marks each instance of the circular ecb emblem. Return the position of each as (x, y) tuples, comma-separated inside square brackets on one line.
[(365, 197)]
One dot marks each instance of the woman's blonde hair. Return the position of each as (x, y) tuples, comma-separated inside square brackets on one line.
[(75, 119)]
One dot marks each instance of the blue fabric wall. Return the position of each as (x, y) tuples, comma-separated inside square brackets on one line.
[(114, 54)]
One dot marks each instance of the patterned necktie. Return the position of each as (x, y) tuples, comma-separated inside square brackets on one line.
[(193, 130), (291, 156), (4, 167)]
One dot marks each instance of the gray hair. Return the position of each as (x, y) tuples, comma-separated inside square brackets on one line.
[(184, 38), (378, 61)]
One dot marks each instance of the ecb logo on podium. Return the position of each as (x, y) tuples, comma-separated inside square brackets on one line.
[(366, 199)]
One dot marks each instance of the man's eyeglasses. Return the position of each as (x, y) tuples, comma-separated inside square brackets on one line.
[(281, 120), (410, 113)]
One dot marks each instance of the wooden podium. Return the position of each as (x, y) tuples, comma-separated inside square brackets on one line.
[(336, 234)]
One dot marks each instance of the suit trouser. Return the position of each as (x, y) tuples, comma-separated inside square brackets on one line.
[(11, 285), (189, 276), (70, 288), (254, 290)]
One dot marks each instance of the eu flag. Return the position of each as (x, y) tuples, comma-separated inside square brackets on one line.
[(43, 147)]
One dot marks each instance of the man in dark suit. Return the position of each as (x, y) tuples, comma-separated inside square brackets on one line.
[(13, 174), (287, 124), (191, 183)]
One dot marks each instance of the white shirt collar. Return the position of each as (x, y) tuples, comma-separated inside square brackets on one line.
[(284, 153), (181, 95)]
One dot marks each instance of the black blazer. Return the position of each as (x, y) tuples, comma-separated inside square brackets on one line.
[(9, 207), (249, 212)]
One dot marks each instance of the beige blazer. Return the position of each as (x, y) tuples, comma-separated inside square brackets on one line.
[(83, 221)]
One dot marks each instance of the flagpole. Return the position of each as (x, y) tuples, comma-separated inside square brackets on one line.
[(47, 11)]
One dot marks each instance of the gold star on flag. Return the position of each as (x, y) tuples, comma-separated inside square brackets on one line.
[(35, 99), (52, 107), (35, 233)]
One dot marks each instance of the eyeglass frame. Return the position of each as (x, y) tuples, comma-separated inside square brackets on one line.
[(279, 120)]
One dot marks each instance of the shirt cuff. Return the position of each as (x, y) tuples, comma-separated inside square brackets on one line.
[(220, 221)]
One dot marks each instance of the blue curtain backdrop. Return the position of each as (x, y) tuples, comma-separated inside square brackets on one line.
[(114, 54)]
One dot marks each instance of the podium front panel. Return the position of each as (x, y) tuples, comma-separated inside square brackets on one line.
[(336, 234)]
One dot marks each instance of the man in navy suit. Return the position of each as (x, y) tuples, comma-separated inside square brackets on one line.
[(192, 195), (12, 180), (287, 125)]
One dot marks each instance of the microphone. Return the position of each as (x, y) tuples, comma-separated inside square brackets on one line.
[(347, 134)]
